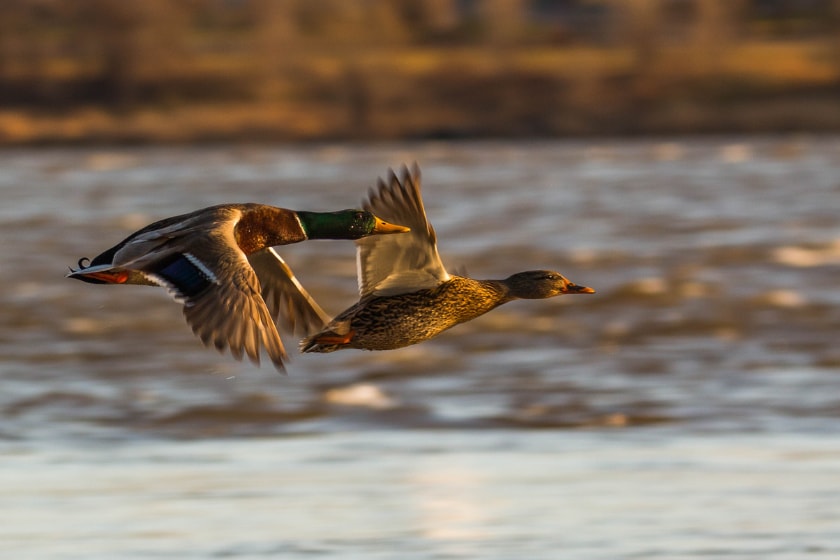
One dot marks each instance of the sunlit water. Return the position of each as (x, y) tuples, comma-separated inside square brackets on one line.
[(689, 409)]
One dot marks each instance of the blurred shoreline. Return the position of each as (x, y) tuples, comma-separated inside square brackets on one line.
[(808, 112), (99, 71)]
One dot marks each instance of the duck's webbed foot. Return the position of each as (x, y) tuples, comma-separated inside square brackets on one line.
[(333, 338), (327, 341)]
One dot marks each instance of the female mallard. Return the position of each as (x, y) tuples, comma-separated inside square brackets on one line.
[(219, 263), (406, 294)]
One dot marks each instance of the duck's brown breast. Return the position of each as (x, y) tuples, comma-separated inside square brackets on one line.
[(267, 226)]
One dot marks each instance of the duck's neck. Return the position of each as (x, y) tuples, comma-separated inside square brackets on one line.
[(492, 292), (501, 290), (325, 225)]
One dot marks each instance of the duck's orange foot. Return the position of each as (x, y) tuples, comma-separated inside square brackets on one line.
[(333, 338)]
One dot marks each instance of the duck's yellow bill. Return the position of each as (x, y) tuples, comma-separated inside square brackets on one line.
[(384, 227)]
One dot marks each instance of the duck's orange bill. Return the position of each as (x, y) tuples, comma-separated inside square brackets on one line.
[(575, 289)]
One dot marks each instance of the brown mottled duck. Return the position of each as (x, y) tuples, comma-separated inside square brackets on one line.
[(406, 294), (219, 263)]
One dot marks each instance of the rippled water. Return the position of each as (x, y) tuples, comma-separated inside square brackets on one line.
[(689, 409)]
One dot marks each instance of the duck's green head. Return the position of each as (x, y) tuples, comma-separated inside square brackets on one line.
[(541, 284), (345, 224)]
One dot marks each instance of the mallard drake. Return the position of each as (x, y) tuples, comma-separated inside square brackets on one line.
[(406, 294), (219, 263)]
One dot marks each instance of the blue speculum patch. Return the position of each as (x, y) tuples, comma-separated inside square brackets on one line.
[(184, 276)]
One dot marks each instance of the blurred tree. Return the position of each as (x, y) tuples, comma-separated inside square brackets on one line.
[(834, 29), (12, 44), (638, 24), (504, 21), (713, 34), (276, 40), (135, 42), (441, 16), (338, 23)]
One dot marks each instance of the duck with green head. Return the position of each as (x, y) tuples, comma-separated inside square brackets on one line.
[(407, 296), (219, 262)]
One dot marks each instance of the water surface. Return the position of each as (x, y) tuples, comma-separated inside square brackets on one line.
[(689, 409)]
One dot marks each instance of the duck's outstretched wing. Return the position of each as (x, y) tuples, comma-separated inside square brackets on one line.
[(396, 264), (292, 307), (222, 301), (197, 259)]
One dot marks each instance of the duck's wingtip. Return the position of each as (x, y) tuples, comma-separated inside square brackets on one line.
[(279, 363)]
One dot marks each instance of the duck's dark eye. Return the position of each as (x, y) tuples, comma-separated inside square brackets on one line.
[(360, 215)]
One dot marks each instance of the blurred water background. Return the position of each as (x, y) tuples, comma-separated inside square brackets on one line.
[(689, 409)]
